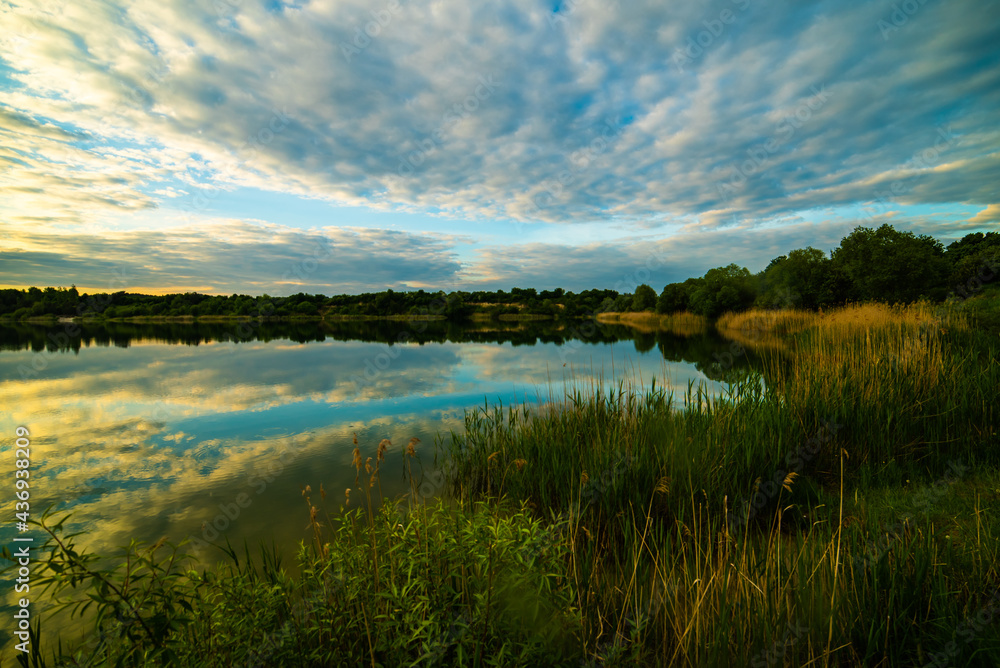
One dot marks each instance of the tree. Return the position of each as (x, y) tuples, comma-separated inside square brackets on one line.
[(975, 269), (892, 266), (975, 259), (305, 307), (971, 244), (800, 278), (622, 302), (723, 289), (644, 299), (607, 305), (676, 296)]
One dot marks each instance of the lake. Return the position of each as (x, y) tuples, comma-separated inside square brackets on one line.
[(212, 430)]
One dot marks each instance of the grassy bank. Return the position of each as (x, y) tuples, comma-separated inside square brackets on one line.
[(342, 318), (840, 508), (848, 497), (679, 324)]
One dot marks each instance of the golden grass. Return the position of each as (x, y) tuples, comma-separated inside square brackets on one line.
[(681, 323), (764, 328), (682, 578), (771, 329), (851, 344)]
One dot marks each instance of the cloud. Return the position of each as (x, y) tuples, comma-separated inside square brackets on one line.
[(502, 110), (652, 259), (990, 214), (226, 257)]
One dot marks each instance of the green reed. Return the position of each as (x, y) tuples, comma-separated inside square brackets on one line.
[(838, 507)]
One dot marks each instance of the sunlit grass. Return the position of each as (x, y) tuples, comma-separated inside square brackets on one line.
[(681, 323), (735, 506), (839, 508)]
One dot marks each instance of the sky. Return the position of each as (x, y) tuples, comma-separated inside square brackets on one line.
[(343, 146)]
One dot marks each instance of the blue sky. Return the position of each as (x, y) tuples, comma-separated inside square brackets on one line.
[(345, 146)]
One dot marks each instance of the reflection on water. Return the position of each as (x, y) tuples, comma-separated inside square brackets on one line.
[(212, 430)]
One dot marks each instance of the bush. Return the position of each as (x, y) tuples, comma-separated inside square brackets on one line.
[(434, 586)]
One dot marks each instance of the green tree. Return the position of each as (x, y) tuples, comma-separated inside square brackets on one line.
[(621, 303), (676, 296), (892, 266), (644, 299), (974, 270), (723, 289), (975, 260), (971, 244), (800, 278), (305, 308), (606, 305)]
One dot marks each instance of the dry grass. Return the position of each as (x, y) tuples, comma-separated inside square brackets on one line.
[(706, 535), (767, 329), (852, 345), (868, 316), (681, 323), (764, 329), (739, 530)]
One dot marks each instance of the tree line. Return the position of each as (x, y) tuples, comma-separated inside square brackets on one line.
[(881, 264)]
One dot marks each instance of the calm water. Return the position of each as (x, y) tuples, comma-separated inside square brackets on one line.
[(178, 430)]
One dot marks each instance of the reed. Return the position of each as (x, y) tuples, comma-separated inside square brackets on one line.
[(681, 323), (729, 523), (838, 507)]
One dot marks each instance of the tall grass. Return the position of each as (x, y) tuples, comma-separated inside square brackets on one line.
[(711, 531), (838, 508), (681, 323)]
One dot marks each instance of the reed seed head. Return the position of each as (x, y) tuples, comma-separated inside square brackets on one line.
[(411, 449), (383, 445), (357, 458), (663, 485), (789, 479), (519, 463)]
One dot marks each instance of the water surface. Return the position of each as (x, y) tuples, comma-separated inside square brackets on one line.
[(211, 431)]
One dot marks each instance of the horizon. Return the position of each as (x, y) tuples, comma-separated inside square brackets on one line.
[(336, 148), (626, 285)]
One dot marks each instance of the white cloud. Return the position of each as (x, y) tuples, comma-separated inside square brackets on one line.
[(497, 111), (227, 257)]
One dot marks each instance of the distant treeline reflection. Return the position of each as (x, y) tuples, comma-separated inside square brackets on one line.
[(704, 350)]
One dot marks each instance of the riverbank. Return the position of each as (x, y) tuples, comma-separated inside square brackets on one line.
[(840, 507), (679, 324)]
